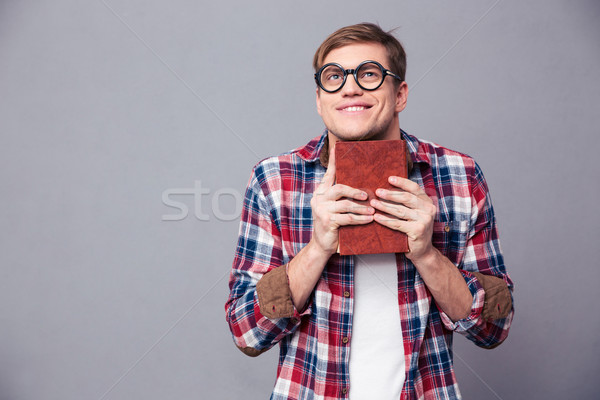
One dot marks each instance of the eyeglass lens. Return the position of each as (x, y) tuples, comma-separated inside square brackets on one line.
[(369, 75)]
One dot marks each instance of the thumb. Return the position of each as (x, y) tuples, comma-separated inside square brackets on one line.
[(329, 178)]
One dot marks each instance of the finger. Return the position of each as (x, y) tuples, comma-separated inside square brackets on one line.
[(396, 210), (331, 194), (347, 206), (415, 230), (338, 191), (331, 161), (351, 219), (406, 185), (397, 196), (419, 201), (329, 178), (393, 223)]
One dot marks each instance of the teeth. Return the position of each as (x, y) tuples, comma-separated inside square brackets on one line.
[(355, 108)]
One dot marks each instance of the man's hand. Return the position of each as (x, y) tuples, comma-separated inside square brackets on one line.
[(412, 212), (332, 207)]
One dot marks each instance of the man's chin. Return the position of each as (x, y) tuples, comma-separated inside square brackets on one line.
[(355, 136)]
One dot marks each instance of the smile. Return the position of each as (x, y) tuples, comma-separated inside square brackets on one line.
[(354, 108)]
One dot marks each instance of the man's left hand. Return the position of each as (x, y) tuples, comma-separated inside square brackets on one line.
[(408, 210)]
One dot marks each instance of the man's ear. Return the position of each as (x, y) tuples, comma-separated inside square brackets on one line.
[(318, 102), (401, 96)]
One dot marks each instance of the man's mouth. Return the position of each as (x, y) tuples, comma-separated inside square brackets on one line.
[(354, 108)]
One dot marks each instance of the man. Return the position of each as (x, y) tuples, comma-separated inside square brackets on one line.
[(376, 326)]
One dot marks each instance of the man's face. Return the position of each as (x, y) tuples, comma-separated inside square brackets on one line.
[(353, 113)]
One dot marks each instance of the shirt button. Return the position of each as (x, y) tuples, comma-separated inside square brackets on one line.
[(447, 228), (344, 390), (346, 294), (345, 340)]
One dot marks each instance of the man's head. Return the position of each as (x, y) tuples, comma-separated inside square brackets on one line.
[(357, 112)]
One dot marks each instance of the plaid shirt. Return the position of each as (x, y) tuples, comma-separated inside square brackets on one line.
[(276, 224)]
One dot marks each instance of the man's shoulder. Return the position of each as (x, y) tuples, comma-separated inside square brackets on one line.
[(300, 155), (296, 159), (436, 154)]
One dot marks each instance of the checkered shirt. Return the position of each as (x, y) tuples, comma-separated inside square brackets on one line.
[(314, 345)]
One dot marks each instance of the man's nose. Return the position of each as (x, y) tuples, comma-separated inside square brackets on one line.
[(351, 87)]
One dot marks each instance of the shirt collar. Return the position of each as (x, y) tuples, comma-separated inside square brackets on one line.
[(310, 151), (417, 150)]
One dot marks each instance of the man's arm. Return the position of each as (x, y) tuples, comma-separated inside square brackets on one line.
[(268, 298), (481, 271), (415, 213), (331, 208), (259, 250)]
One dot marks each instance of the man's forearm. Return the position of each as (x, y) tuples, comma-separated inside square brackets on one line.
[(446, 284), (304, 271)]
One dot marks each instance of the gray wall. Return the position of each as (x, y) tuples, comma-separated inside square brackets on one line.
[(106, 106)]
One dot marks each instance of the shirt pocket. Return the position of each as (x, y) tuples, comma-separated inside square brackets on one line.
[(450, 237)]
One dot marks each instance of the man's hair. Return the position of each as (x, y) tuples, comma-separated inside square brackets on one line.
[(364, 33)]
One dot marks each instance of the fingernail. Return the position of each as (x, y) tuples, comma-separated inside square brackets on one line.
[(393, 179)]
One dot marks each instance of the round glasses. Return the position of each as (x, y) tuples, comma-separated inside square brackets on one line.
[(369, 75)]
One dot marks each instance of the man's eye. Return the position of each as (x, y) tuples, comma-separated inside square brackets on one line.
[(333, 77), (370, 74)]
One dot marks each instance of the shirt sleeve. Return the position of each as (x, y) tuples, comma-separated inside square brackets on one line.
[(259, 309), (483, 269)]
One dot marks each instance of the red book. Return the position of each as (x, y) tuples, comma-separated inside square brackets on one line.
[(367, 165)]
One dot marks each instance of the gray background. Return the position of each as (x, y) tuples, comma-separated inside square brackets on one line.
[(105, 105)]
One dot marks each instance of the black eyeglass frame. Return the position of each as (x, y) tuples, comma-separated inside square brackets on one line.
[(385, 72)]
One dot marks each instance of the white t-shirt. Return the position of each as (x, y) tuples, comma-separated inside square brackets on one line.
[(377, 368)]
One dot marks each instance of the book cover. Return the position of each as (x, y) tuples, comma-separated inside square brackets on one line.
[(366, 165)]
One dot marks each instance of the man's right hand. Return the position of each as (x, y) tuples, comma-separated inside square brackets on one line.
[(332, 207)]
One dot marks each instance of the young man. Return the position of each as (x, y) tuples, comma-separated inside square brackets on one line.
[(372, 326)]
